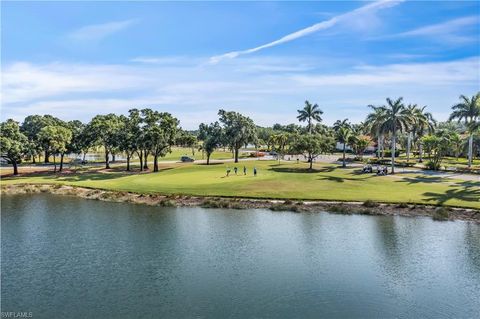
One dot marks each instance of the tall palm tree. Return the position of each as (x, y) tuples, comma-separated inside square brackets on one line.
[(374, 122), (412, 110), (423, 123), (468, 110), (310, 113), (344, 134), (396, 119)]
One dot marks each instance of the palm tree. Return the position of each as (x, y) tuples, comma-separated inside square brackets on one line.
[(423, 123), (412, 111), (396, 119), (280, 142), (341, 123), (310, 113), (457, 144), (469, 111), (344, 134), (374, 122)]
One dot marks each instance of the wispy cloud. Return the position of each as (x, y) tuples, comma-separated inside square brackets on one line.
[(267, 88), (324, 25), (97, 32), (422, 74), (452, 31)]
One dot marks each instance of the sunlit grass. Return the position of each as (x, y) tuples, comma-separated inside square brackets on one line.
[(286, 180)]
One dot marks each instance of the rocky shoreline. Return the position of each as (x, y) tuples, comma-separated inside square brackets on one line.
[(365, 208)]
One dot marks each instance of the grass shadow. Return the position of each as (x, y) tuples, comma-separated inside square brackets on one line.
[(300, 169), (423, 179), (465, 194)]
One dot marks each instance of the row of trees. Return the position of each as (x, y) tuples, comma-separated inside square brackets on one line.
[(148, 133)]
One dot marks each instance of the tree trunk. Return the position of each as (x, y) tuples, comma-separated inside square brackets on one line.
[(84, 155), (128, 162), (382, 139), (39, 158), (378, 146), (409, 142), (344, 165), (208, 159), (155, 163), (394, 145), (33, 159), (107, 163), (145, 159), (15, 167), (113, 158), (470, 150), (140, 158), (420, 152), (61, 162), (311, 161), (46, 157), (54, 163), (236, 155)]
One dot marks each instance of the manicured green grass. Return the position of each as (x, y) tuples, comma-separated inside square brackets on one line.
[(289, 180), (175, 155)]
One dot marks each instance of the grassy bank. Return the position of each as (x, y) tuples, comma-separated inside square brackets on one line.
[(276, 181), (368, 207)]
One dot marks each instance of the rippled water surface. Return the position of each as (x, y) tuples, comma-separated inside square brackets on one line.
[(65, 257)]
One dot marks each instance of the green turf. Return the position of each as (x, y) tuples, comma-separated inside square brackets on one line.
[(286, 180), (175, 155)]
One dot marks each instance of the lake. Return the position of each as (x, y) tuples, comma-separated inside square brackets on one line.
[(66, 257)]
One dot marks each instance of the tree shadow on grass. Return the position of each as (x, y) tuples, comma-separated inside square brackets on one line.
[(342, 179), (422, 179), (100, 175), (300, 169), (466, 194), (211, 164)]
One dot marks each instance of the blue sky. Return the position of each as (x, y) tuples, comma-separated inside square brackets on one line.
[(79, 59)]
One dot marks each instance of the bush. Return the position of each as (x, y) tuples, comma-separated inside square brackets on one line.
[(167, 203), (388, 153), (432, 166), (441, 213), (370, 203), (402, 205), (284, 208), (339, 209)]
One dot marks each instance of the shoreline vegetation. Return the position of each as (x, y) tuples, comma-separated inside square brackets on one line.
[(368, 207)]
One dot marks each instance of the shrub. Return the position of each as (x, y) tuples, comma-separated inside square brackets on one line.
[(285, 208), (339, 209), (370, 203), (215, 203), (432, 166), (441, 213), (402, 205), (167, 203)]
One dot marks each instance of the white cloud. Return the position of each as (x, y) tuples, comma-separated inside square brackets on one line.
[(195, 93), (451, 31), (96, 32), (434, 73), (359, 14)]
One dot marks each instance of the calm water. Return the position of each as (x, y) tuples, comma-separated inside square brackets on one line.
[(65, 257)]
